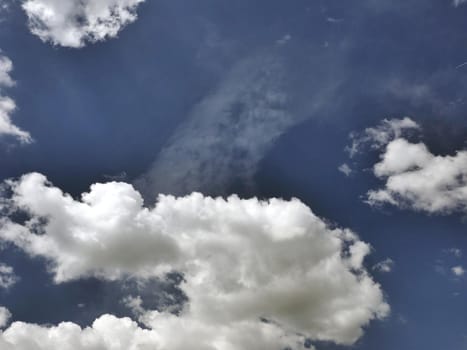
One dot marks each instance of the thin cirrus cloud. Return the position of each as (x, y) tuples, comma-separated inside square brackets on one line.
[(226, 134), (257, 274), (8, 105), (229, 132), (71, 23), (414, 177)]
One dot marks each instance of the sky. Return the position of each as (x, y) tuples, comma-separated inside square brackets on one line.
[(233, 175)]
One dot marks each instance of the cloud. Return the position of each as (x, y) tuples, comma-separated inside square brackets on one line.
[(456, 252), (8, 106), (4, 317), (458, 271), (227, 133), (384, 266), (417, 179), (72, 23), (257, 274), (459, 2), (345, 169), (381, 135), (414, 177), (111, 333), (7, 276)]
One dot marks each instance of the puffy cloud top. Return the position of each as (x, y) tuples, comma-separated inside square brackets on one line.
[(269, 270), (414, 177), (72, 23), (417, 179)]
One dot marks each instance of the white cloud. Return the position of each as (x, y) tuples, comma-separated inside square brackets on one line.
[(111, 333), (378, 137), (242, 261), (458, 271), (7, 276), (345, 169), (384, 266), (5, 315), (72, 23), (7, 105), (413, 177), (417, 179)]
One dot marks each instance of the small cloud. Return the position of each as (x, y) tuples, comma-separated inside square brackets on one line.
[(284, 40), (5, 315), (334, 20), (458, 271), (384, 266), (135, 304), (7, 276), (345, 169), (457, 3), (8, 106), (456, 252)]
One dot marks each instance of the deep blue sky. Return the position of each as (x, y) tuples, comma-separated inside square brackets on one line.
[(111, 107)]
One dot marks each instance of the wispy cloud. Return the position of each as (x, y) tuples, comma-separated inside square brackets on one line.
[(7, 105)]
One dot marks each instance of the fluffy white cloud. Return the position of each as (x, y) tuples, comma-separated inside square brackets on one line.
[(7, 276), (414, 177), (7, 105), (4, 317), (417, 179), (111, 333), (73, 23), (257, 274)]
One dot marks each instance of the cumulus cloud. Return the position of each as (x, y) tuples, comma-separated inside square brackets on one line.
[(413, 177), (111, 333), (7, 276), (257, 274), (7, 105), (72, 23), (417, 179)]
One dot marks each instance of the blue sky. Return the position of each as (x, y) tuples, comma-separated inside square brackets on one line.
[(254, 99)]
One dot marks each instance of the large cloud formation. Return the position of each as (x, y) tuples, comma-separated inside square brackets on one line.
[(414, 177), (7, 105), (257, 274), (73, 23)]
